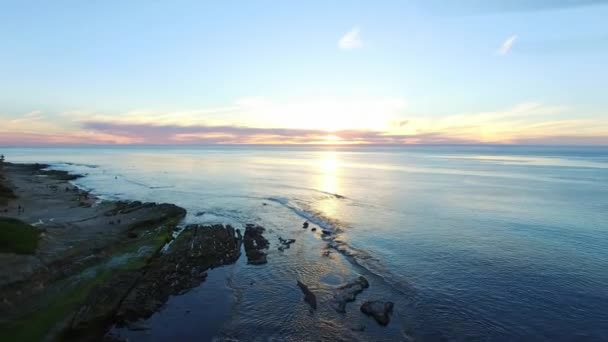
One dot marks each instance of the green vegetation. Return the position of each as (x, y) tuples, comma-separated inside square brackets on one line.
[(17, 236), (37, 325)]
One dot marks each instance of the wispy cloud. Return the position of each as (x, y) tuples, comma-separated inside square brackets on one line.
[(507, 45), (205, 134), (528, 122), (351, 40)]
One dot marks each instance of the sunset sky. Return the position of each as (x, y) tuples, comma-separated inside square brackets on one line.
[(194, 72)]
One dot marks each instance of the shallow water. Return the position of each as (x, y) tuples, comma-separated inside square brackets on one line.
[(494, 243)]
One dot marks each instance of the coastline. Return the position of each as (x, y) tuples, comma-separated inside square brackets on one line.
[(101, 268), (88, 257)]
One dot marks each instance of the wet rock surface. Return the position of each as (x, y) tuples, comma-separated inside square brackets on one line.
[(285, 243), (182, 268), (96, 314), (89, 255), (256, 245), (380, 310), (348, 293), (309, 296)]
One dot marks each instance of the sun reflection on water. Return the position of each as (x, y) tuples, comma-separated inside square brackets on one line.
[(328, 181)]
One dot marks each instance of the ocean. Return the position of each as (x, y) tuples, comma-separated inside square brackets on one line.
[(469, 242)]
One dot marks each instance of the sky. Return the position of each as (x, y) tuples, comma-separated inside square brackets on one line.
[(306, 72)]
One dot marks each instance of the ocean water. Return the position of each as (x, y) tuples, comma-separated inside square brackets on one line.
[(470, 243)]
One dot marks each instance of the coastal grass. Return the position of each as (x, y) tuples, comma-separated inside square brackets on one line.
[(17, 236)]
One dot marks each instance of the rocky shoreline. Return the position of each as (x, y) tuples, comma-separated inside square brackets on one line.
[(97, 263), (103, 264)]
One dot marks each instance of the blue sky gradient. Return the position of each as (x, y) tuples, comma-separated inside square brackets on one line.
[(66, 63)]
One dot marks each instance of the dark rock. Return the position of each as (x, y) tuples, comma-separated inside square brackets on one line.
[(285, 243), (379, 310), (114, 338), (59, 175), (6, 192), (96, 313), (348, 293), (256, 244), (181, 268), (137, 326), (309, 297), (305, 225), (313, 229), (325, 232)]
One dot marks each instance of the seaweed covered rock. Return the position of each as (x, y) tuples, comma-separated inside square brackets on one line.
[(285, 243), (348, 293), (380, 310), (256, 244), (181, 268), (309, 296)]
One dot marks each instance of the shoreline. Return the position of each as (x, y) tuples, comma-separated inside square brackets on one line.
[(88, 258), (127, 259)]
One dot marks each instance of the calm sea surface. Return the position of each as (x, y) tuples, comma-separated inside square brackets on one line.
[(471, 243)]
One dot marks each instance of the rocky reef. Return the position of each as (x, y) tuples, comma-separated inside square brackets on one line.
[(380, 310), (256, 245), (127, 298), (348, 293), (309, 296)]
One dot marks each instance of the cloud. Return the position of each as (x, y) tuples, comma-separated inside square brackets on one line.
[(507, 45), (351, 40), (228, 134), (527, 122)]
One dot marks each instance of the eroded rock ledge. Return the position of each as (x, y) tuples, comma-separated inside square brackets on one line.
[(256, 245), (129, 297)]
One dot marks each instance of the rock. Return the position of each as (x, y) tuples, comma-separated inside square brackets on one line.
[(183, 267), (309, 297), (325, 232), (256, 244), (285, 243), (379, 310), (313, 229), (94, 315), (137, 326), (109, 337), (305, 225), (348, 293)]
